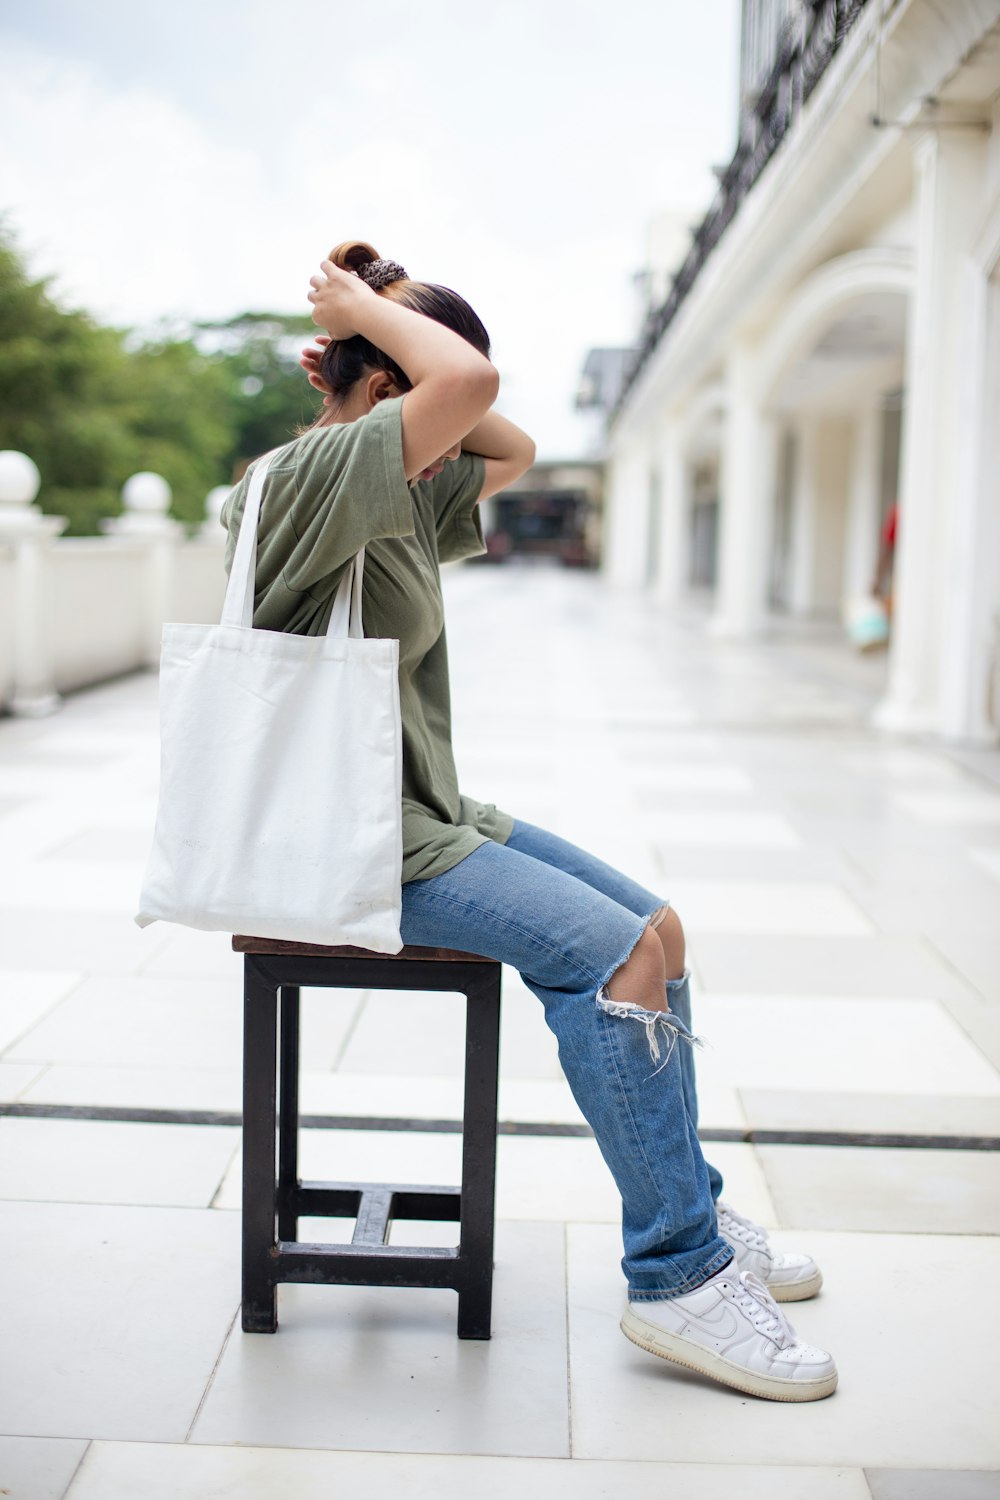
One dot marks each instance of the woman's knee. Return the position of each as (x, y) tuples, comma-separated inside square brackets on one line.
[(641, 979), (670, 933)]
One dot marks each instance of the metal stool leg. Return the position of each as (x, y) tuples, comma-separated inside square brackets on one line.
[(288, 1114), (479, 1153), (260, 1005)]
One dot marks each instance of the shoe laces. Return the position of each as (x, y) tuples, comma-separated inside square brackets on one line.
[(744, 1230), (753, 1298)]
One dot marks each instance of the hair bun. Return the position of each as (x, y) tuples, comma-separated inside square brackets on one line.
[(353, 254), (365, 261)]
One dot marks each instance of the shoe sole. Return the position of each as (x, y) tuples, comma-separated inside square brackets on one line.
[(680, 1351), (795, 1291)]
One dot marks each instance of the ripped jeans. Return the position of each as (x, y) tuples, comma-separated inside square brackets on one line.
[(567, 921)]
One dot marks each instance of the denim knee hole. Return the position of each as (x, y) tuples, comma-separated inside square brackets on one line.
[(671, 1026)]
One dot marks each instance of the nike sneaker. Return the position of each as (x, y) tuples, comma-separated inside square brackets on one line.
[(732, 1330), (788, 1276)]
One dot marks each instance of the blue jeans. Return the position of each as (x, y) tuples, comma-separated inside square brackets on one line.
[(567, 921)]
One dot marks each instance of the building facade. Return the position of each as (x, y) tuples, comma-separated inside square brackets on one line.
[(829, 351)]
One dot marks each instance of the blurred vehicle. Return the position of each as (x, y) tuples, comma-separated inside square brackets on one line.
[(553, 512)]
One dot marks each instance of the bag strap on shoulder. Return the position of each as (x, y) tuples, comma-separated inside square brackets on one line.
[(237, 608)]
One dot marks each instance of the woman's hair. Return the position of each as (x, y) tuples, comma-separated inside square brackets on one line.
[(345, 361)]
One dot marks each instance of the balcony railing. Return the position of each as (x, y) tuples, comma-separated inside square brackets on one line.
[(807, 47)]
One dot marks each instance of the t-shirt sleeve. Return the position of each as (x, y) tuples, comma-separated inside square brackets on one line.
[(458, 520), (350, 488), (331, 493)]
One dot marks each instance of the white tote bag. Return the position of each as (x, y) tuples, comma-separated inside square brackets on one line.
[(280, 773)]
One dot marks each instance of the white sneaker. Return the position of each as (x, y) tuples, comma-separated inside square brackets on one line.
[(732, 1329), (789, 1277)]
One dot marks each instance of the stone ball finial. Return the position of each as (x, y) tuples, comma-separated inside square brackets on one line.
[(146, 494), (19, 478)]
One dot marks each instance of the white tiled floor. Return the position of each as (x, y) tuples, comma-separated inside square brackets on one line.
[(768, 906), (38, 1468), (879, 1188), (933, 1410), (988, 860), (719, 830), (100, 1161), (25, 998), (313, 1384), (838, 890), (892, 1046), (118, 1317), (15, 1078), (123, 1471)]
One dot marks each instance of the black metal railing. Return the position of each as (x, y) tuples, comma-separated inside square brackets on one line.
[(807, 46)]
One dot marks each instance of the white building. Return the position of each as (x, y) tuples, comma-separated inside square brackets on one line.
[(831, 344)]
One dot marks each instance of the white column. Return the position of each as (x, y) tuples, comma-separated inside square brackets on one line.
[(626, 519), (971, 699), (674, 541), (864, 495), (949, 169), (805, 505), (746, 518)]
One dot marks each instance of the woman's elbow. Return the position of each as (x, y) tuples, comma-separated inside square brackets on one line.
[(474, 387), (488, 377)]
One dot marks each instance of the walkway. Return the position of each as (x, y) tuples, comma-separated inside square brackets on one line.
[(840, 893)]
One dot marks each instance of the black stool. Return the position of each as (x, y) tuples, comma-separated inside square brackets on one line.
[(273, 1202)]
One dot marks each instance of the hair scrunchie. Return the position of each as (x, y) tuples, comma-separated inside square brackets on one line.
[(380, 273)]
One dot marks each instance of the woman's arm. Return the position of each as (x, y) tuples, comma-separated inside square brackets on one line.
[(508, 451), (453, 384)]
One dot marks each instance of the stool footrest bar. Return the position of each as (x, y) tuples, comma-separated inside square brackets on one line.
[(369, 1265), (342, 1200)]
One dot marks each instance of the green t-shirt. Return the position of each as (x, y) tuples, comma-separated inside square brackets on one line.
[(328, 494)]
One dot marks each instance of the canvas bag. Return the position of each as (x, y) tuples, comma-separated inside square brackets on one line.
[(280, 806)]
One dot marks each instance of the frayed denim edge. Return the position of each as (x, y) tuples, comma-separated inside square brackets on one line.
[(672, 1026)]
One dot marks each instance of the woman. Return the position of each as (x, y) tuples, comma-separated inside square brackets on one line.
[(404, 451)]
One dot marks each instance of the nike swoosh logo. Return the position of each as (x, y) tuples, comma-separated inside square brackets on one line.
[(722, 1325)]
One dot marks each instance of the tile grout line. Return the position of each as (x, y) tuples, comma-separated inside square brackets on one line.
[(73, 1477), (401, 1125), (975, 992), (213, 1201), (211, 1379), (44, 1015)]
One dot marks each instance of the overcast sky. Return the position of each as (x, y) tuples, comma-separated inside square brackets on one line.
[(198, 158)]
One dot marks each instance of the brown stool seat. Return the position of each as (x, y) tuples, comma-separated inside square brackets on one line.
[(317, 950), (274, 1197)]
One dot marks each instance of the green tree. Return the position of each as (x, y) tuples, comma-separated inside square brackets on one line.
[(92, 405), (55, 370), (271, 397)]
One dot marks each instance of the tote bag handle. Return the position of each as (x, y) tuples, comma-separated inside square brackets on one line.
[(237, 609)]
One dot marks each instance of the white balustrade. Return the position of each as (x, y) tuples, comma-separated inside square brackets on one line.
[(75, 611)]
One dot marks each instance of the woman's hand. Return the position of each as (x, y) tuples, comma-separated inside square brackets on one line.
[(309, 360), (452, 385), (337, 297)]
